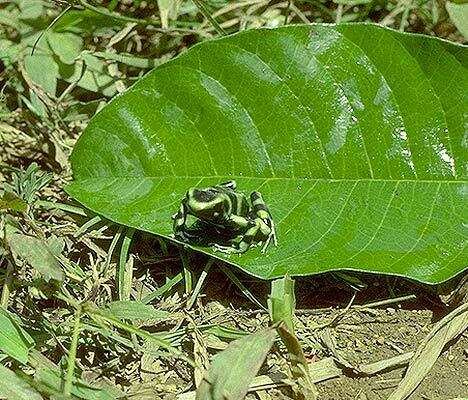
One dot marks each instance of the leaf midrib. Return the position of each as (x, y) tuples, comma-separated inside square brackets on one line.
[(240, 177)]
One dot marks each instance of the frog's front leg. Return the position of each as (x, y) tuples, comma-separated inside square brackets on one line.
[(261, 211), (180, 220)]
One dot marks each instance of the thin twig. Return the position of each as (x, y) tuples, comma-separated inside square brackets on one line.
[(386, 301), (339, 316)]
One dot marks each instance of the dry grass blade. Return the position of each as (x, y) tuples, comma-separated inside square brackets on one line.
[(429, 350), (319, 371), (163, 289), (200, 282), (389, 363), (247, 293)]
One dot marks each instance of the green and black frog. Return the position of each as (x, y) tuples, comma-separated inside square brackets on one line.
[(227, 215)]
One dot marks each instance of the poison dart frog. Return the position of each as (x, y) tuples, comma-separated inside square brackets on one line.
[(222, 207)]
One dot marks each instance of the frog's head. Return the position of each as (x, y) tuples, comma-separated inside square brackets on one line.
[(207, 204)]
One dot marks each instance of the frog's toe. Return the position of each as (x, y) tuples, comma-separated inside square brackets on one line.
[(182, 236), (271, 237), (226, 249), (265, 246)]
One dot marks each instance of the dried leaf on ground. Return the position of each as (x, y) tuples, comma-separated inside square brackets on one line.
[(37, 253), (429, 350)]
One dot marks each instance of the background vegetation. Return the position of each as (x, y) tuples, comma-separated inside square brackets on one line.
[(61, 62)]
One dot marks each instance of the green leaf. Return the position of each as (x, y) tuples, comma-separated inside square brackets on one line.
[(281, 306), (9, 51), (43, 71), (12, 387), (30, 9), (35, 104), (89, 21), (53, 380), (14, 340), (354, 134), (282, 302), (8, 18), (459, 15), (37, 254), (233, 369), (10, 201), (136, 311), (50, 378), (95, 76), (67, 46)]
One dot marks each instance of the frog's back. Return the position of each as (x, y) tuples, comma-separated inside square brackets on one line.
[(239, 203)]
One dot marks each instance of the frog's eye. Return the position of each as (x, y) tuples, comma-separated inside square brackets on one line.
[(204, 196)]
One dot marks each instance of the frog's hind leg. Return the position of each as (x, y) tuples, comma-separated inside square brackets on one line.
[(241, 224), (260, 209), (247, 239)]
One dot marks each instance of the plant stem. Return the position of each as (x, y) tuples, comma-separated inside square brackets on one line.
[(125, 275), (114, 15), (7, 285), (72, 354), (187, 273), (288, 10), (206, 13)]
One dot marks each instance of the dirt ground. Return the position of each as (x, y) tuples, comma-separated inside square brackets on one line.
[(361, 336)]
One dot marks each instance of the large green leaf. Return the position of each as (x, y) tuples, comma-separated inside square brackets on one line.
[(355, 134), (14, 341)]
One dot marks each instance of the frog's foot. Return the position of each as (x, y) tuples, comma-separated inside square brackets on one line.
[(183, 236), (273, 234), (271, 237), (227, 249)]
